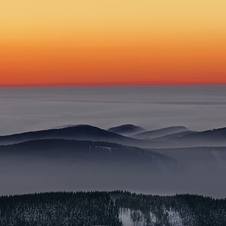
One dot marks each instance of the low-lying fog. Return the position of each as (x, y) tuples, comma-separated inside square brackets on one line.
[(29, 175), (196, 107)]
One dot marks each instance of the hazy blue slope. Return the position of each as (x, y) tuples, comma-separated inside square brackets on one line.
[(161, 132), (45, 165)]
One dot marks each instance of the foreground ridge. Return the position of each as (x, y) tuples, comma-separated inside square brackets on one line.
[(111, 208)]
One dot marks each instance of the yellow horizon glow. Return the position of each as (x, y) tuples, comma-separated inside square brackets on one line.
[(119, 42)]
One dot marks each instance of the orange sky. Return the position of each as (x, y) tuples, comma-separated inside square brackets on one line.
[(112, 42)]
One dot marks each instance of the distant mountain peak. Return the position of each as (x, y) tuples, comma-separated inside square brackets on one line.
[(126, 129), (77, 132)]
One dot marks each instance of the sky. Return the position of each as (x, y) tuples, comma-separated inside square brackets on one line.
[(120, 42)]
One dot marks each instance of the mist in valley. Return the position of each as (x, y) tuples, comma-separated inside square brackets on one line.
[(174, 150)]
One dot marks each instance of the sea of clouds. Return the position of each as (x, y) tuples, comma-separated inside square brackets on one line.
[(152, 107)]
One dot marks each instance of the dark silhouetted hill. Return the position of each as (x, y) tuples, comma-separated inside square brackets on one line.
[(127, 129), (89, 152), (66, 165), (170, 137), (79, 132)]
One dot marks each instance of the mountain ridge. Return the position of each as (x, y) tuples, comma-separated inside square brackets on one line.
[(169, 138), (161, 132), (126, 129)]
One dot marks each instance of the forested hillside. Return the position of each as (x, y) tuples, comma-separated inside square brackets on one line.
[(111, 208)]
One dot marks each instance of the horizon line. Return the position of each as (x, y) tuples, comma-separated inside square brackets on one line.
[(40, 85)]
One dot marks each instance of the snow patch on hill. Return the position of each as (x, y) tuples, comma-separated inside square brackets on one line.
[(136, 217)]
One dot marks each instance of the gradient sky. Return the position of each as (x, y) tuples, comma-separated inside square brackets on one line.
[(112, 42)]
